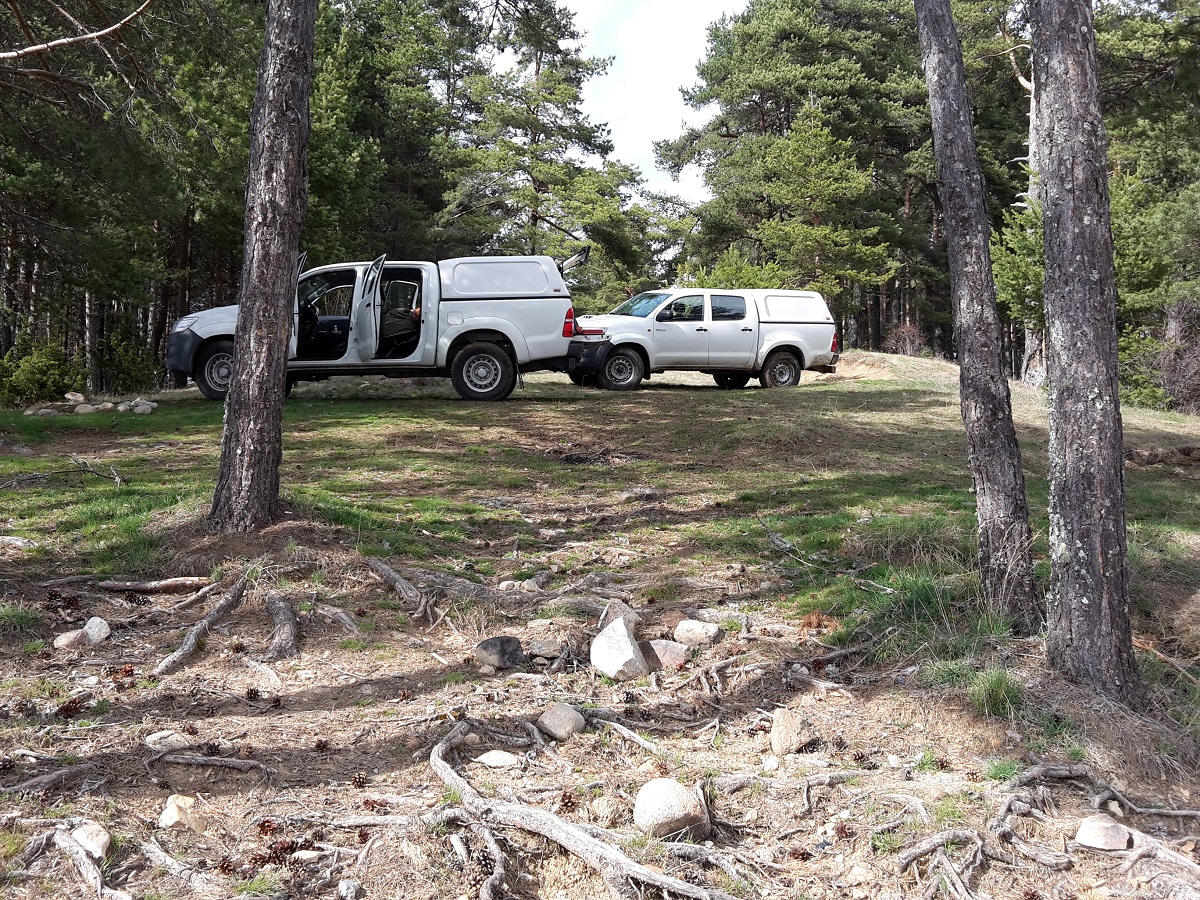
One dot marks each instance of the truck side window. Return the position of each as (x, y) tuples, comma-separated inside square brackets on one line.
[(687, 309), (728, 308)]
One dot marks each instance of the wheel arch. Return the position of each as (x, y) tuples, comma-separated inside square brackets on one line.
[(792, 347), (487, 335)]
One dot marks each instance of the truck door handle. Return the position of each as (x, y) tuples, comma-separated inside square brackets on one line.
[(747, 329), (702, 328)]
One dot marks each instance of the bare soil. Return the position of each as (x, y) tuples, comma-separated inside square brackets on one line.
[(343, 731)]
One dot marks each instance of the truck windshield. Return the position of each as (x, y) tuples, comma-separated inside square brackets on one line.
[(641, 305)]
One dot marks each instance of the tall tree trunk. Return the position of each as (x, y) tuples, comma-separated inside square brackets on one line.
[(247, 493), (1005, 543), (1089, 637)]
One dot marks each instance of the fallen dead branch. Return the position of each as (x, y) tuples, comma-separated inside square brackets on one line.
[(43, 783), (223, 762), (934, 842), (200, 630), (338, 615), (88, 871), (204, 885), (81, 468), (165, 586), (615, 868)]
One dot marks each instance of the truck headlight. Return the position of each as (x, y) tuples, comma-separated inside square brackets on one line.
[(185, 323)]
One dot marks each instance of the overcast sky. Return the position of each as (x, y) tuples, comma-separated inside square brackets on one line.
[(655, 45)]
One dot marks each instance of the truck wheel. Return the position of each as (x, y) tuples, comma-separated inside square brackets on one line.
[(483, 371), (782, 369), (622, 370), (214, 368), (731, 381)]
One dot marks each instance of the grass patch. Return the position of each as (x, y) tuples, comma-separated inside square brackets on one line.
[(1002, 769), (993, 692), (357, 645), (17, 619), (263, 884)]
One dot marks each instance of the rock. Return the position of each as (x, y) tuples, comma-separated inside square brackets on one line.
[(84, 408), (500, 759), (71, 640), (503, 652), (143, 410), (617, 609), (550, 648), (856, 876), (487, 670), (695, 633), (20, 543), (180, 810), (93, 837), (770, 763), (640, 494), (715, 615), (124, 406), (1101, 832), (105, 407), (138, 401), (665, 807), (74, 397), (791, 733), (561, 721), (96, 630), (307, 856), (615, 652), (668, 655), (894, 761), (507, 586), (167, 741), (349, 889), (33, 410), (608, 811), (48, 413)]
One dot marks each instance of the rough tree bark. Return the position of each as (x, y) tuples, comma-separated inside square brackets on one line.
[(1005, 555), (1089, 638), (247, 492)]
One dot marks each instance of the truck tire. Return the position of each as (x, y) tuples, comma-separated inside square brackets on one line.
[(214, 368), (731, 381), (483, 371), (622, 370), (782, 369)]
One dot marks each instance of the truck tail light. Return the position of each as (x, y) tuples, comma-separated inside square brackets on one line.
[(570, 329), (833, 347)]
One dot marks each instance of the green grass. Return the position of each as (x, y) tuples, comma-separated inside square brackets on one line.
[(994, 692), (264, 884), (1002, 769), (16, 619)]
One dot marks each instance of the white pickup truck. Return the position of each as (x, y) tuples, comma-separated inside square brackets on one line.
[(477, 320), (733, 335)]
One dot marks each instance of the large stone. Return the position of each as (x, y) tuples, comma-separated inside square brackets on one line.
[(616, 609), (561, 721), (96, 630), (84, 408), (695, 633), (93, 838), (1102, 832), (74, 397), (791, 733), (48, 413), (181, 810), (665, 807), (142, 409), (501, 652), (550, 648), (670, 656), (615, 652), (71, 640), (168, 741), (608, 811)]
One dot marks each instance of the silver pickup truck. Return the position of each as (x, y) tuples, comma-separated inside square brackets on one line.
[(477, 320), (733, 335)]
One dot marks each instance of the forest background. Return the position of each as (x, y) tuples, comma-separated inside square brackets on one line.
[(444, 129)]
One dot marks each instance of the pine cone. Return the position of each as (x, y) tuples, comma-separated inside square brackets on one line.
[(359, 780)]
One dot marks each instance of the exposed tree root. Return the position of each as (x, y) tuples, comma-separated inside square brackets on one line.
[(47, 782), (200, 630), (285, 640), (614, 867), (164, 586)]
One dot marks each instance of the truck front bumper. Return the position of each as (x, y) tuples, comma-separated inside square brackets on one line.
[(181, 350)]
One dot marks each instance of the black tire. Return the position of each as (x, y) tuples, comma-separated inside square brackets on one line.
[(622, 370), (581, 380), (214, 368), (731, 381), (483, 371), (288, 384), (782, 369)]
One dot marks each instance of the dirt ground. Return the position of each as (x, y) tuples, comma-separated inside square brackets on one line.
[(318, 766)]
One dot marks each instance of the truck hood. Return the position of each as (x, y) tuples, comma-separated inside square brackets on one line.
[(615, 324)]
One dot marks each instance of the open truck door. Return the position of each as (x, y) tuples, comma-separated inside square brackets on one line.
[(366, 311)]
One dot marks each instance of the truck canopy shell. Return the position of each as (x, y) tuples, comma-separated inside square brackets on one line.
[(800, 307), (500, 277)]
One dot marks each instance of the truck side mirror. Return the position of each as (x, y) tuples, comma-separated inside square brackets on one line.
[(665, 315)]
